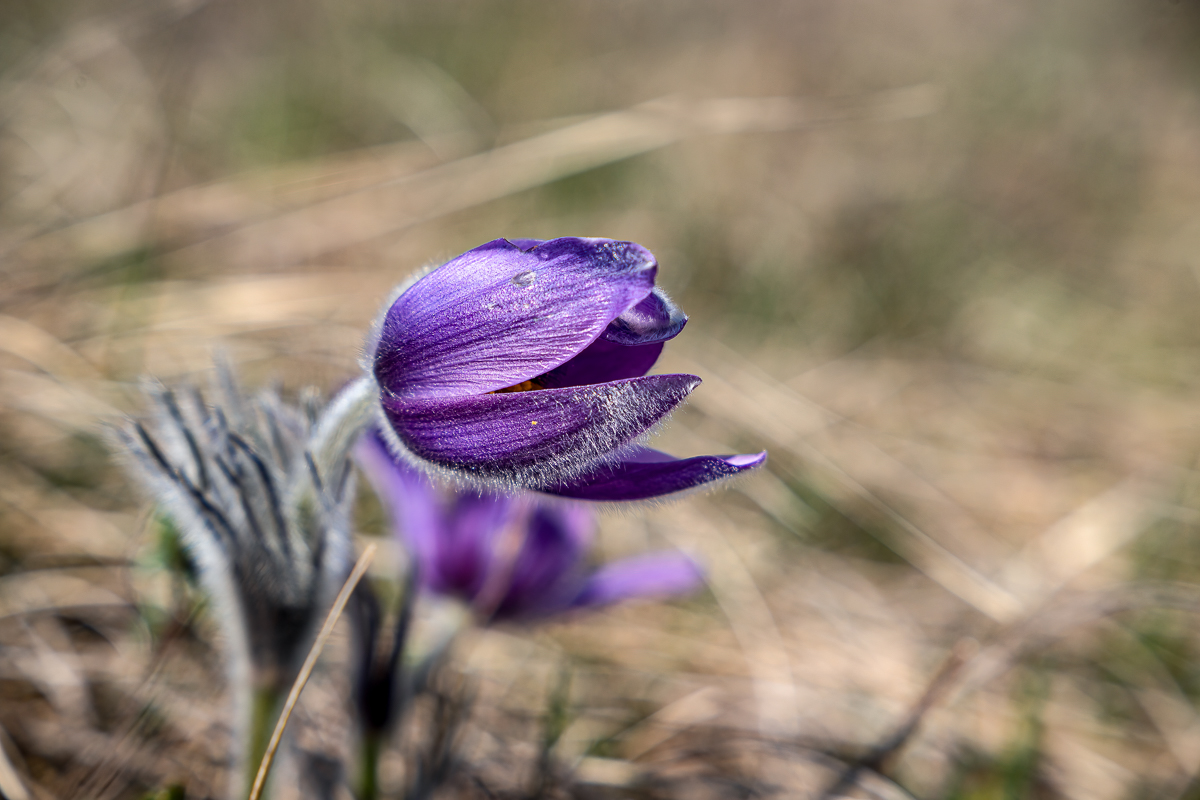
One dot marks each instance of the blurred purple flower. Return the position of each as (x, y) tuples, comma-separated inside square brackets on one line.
[(510, 557), (523, 363)]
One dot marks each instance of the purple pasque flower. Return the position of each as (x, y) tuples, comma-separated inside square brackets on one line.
[(523, 363), (510, 557)]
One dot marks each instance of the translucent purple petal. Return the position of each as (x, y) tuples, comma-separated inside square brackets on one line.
[(652, 575), (547, 573), (537, 437), (654, 319), (628, 347), (470, 543), (646, 473), (603, 361), (408, 497), (527, 244), (499, 314)]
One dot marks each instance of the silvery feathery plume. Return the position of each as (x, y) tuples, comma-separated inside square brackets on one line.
[(261, 492)]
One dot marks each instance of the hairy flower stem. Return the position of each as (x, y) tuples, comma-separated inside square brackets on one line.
[(368, 756), (265, 706), (342, 423)]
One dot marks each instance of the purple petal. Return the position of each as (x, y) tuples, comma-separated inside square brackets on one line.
[(628, 347), (647, 473), (499, 315), (527, 244), (546, 575), (652, 575), (539, 437), (408, 497), (654, 319), (603, 361), (468, 549)]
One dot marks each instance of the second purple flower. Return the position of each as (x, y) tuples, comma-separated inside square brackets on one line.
[(510, 557)]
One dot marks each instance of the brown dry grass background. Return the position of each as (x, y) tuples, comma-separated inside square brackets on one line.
[(941, 259)]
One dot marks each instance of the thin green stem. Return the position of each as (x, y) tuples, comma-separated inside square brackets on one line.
[(264, 712), (368, 776)]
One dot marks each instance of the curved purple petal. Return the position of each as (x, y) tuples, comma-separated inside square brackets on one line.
[(603, 361), (654, 319), (537, 438), (468, 549), (628, 347), (646, 473), (499, 315), (652, 575), (547, 572), (527, 244), (410, 500)]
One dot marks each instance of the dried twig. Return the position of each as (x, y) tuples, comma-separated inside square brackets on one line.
[(876, 759), (11, 785)]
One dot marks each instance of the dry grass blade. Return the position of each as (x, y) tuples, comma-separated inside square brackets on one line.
[(1080, 540), (750, 618), (877, 759), (777, 408), (397, 203), (1061, 615), (916, 546), (11, 786), (44, 351), (339, 605)]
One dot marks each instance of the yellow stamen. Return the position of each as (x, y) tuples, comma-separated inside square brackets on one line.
[(523, 386)]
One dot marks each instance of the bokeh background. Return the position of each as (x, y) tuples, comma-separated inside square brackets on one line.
[(941, 259)]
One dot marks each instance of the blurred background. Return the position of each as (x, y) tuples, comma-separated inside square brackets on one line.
[(941, 259)]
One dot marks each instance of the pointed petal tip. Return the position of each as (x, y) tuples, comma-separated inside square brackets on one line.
[(645, 474), (681, 382), (746, 460), (654, 575), (655, 319), (525, 245), (627, 256)]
